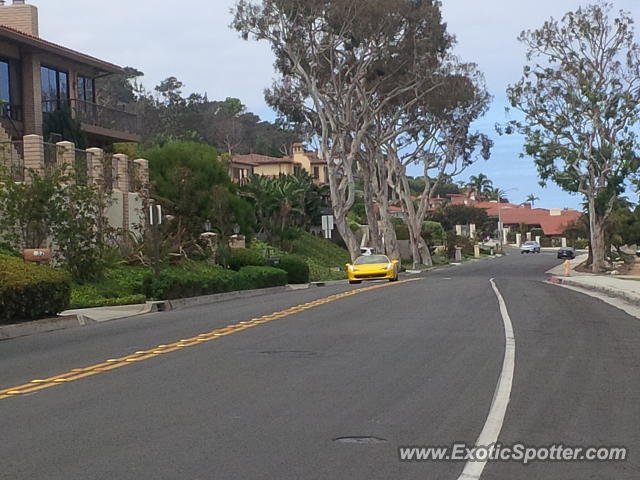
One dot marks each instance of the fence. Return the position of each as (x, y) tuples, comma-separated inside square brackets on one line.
[(12, 159)]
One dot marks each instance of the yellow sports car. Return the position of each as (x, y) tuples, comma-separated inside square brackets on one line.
[(372, 267)]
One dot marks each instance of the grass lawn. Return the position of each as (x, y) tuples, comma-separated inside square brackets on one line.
[(323, 257)]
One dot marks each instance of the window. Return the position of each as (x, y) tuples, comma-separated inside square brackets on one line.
[(86, 89), (55, 89), (5, 88), (316, 172)]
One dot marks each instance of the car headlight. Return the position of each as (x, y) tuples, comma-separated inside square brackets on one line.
[(390, 266), (353, 269)]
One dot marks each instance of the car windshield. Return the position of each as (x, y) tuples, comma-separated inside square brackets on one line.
[(370, 259), (530, 243)]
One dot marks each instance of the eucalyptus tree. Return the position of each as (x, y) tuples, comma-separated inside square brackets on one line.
[(580, 98), (441, 142), (334, 57)]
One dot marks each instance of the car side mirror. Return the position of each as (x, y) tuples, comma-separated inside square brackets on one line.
[(347, 266), (395, 262)]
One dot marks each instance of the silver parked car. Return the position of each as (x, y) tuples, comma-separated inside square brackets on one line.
[(530, 247)]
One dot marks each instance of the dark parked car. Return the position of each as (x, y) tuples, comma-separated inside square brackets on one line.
[(567, 252)]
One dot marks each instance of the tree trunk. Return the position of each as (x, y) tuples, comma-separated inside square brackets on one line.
[(390, 239), (372, 219), (347, 235), (597, 224)]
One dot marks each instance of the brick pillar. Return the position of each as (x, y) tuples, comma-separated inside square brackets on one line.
[(96, 175), (31, 94), (122, 169), (142, 173), (122, 184), (33, 155), (67, 157)]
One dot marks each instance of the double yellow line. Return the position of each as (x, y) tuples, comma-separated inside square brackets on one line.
[(140, 356)]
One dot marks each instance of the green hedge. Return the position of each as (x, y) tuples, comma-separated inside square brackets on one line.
[(251, 278), (244, 257), (29, 291), (296, 267), (209, 279)]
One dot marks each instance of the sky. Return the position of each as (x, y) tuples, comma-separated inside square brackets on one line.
[(192, 41)]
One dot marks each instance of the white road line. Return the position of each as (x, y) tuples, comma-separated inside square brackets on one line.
[(493, 425)]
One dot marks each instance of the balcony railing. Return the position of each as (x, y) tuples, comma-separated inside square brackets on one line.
[(11, 111), (96, 115)]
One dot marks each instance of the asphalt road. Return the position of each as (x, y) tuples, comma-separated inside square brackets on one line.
[(332, 391)]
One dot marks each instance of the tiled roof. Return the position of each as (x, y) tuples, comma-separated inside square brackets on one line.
[(516, 214), (36, 42)]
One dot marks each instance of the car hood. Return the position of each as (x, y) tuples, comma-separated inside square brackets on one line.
[(370, 267)]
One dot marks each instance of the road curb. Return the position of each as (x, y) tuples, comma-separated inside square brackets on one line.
[(611, 292), (8, 332), (180, 303)]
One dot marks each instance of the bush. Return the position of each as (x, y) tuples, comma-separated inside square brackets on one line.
[(196, 280), (402, 231), (8, 251), (454, 241), (175, 282), (546, 242), (537, 232), (581, 244), (296, 268), (244, 257), (88, 296), (120, 286), (433, 233), (29, 291), (251, 278)]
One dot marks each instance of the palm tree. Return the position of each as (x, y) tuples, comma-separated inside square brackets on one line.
[(532, 199), (480, 183), (497, 194)]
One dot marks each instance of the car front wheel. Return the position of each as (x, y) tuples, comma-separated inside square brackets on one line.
[(355, 282)]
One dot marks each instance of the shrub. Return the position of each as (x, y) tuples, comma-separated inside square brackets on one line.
[(250, 278), (433, 233), (537, 232), (195, 280), (8, 251), (244, 257), (546, 242), (120, 286), (581, 243), (88, 296), (29, 291), (296, 268), (175, 282), (402, 231), (454, 241)]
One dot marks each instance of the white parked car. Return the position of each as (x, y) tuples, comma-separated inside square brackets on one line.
[(530, 247)]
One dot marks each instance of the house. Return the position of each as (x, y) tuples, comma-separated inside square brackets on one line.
[(553, 222), (38, 77), (243, 166)]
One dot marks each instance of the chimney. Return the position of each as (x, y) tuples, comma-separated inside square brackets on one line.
[(19, 16)]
